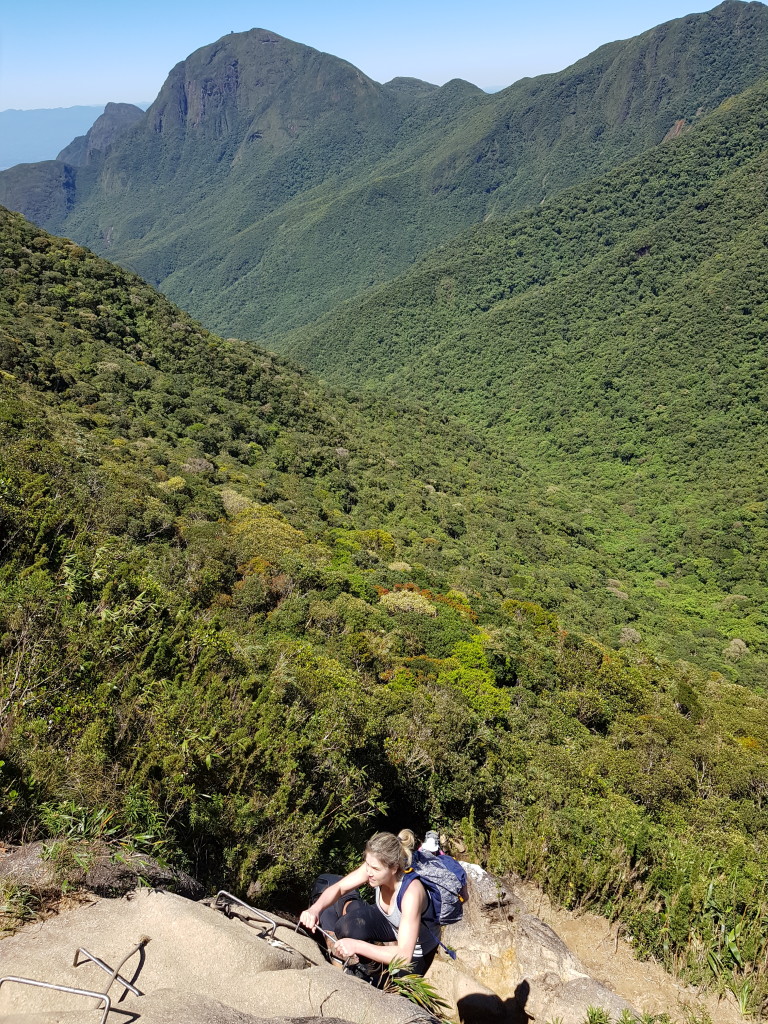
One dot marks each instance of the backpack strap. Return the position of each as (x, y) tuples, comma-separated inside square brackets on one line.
[(409, 875)]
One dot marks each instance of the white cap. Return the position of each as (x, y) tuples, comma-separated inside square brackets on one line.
[(431, 842)]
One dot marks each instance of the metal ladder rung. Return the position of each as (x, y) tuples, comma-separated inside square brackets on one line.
[(273, 925), (101, 996), (114, 976), (246, 906)]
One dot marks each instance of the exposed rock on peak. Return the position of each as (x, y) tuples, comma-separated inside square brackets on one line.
[(259, 81), (99, 139), (270, 181)]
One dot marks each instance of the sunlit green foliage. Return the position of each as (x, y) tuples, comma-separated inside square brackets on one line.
[(268, 183), (198, 658), (614, 340)]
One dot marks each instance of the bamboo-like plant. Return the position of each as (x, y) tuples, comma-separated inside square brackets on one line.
[(401, 981)]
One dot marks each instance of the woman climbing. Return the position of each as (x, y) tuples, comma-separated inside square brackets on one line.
[(407, 926)]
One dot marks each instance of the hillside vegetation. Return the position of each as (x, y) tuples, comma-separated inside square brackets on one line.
[(268, 182), (614, 339), (232, 634), (510, 584)]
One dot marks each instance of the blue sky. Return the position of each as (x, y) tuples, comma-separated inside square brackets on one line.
[(58, 53)]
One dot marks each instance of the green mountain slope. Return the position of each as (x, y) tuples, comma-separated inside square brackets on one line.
[(88, 148), (615, 339), (213, 648), (451, 504), (268, 182)]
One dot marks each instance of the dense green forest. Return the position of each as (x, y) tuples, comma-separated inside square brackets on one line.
[(268, 182), (614, 339), (502, 571), (244, 620)]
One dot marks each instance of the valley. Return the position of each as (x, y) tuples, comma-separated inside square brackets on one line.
[(377, 454)]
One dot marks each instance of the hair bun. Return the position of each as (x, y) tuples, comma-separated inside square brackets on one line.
[(408, 839)]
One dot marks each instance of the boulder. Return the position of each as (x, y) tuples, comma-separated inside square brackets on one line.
[(510, 966), (192, 953), (104, 869)]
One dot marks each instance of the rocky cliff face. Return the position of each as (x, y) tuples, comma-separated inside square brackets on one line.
[(261, 86), (44, 192), (220, 122), (234, 968), (217, 961), (511, 966), (109, 126), (47, 192)]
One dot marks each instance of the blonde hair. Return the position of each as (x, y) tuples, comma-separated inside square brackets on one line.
[(393, 850)]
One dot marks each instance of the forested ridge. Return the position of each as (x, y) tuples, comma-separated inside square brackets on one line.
[(502, 571), (233, 636), (268, 182), (614, 340)]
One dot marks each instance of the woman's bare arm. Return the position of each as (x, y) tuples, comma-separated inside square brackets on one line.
[(310, 918), (413, 906)]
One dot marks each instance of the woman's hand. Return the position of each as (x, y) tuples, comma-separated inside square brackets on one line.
[(345, 948), (309, 919)]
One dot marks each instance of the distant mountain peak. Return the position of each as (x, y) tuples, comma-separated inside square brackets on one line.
[(460, 86), (253, 74), (85, 149), (404, 84), (270, 181)]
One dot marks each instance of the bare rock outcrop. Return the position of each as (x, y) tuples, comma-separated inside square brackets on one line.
[(511, 967), (109, 126), (197, 964), (92, 866)]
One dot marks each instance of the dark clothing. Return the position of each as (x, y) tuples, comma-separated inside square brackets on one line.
[(362, 921), (333, 917), (366, 922)]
